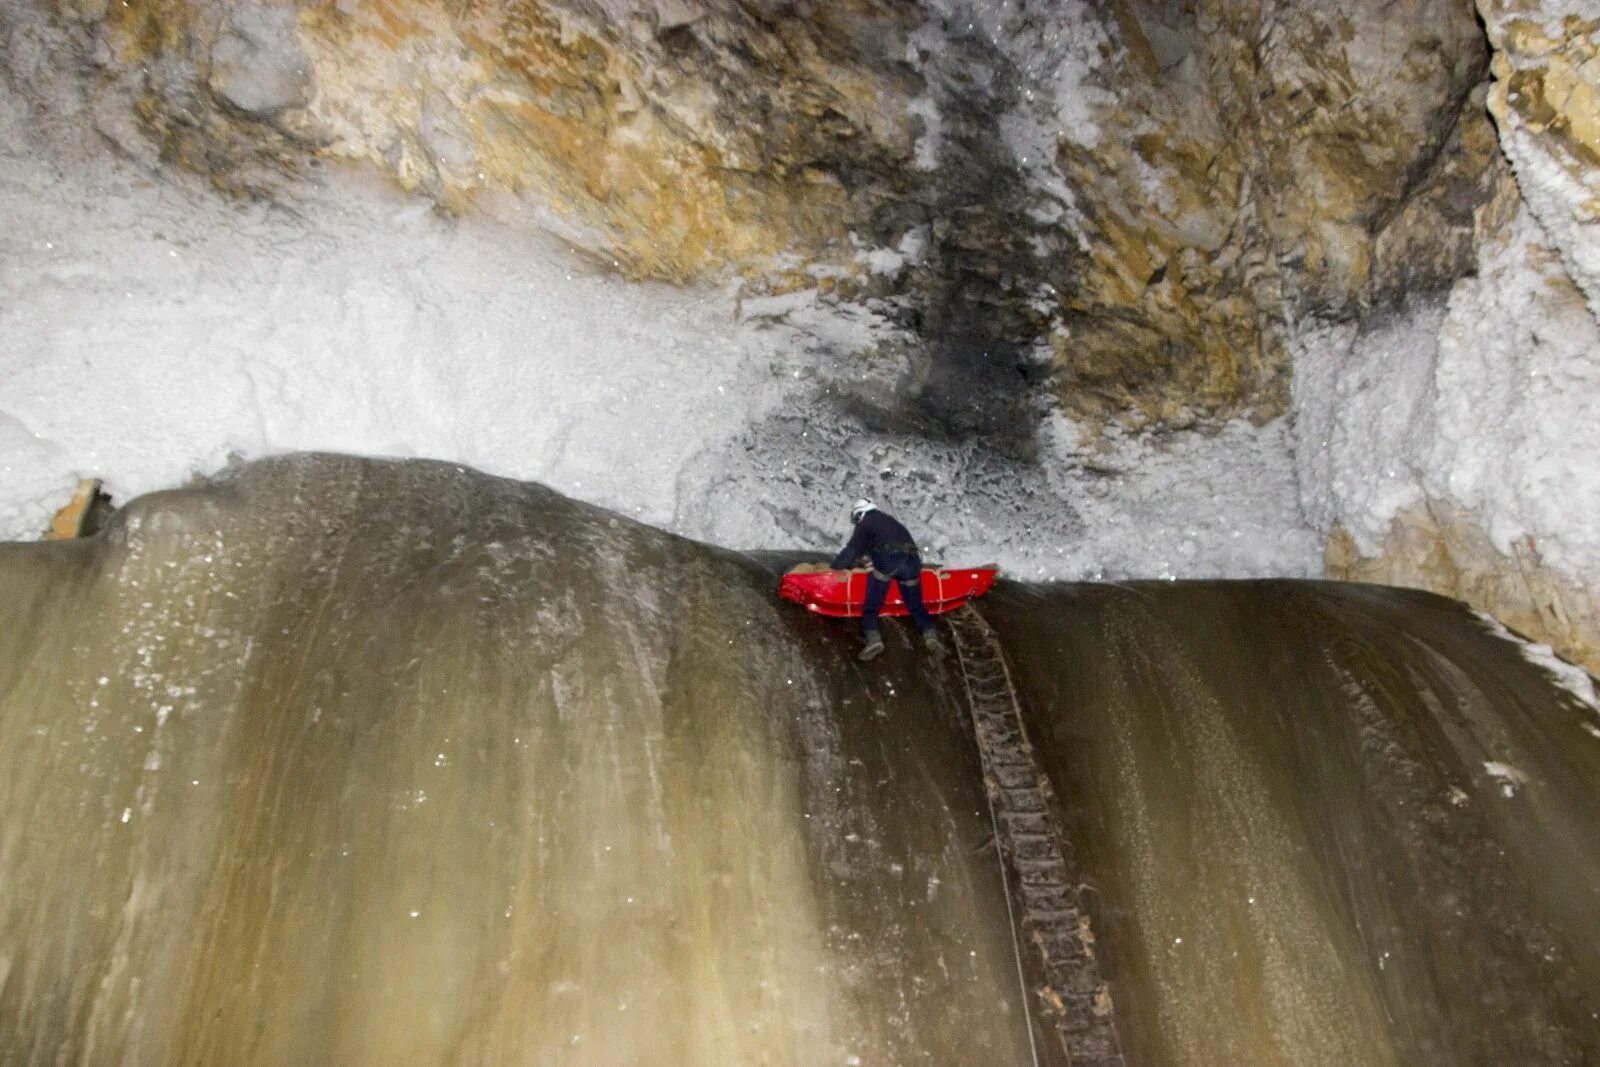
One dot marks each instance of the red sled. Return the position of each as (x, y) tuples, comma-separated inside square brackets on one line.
[(840, 593)]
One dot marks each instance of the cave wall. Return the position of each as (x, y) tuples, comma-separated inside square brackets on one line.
[(1546, 104), (1261, 162), (1440, 547), (1159, 212), (1446, 441), (1148, 192), (676, 138)]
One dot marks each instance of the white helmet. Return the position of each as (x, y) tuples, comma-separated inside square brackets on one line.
[(860, 508)]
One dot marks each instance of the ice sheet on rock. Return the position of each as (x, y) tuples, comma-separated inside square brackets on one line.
[(1572, 678), (367, 762), (359, 762), (1325, 823)]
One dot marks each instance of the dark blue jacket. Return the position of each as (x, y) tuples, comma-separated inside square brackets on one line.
[(880, 536)]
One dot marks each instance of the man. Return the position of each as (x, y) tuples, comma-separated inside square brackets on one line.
[(894, 559)]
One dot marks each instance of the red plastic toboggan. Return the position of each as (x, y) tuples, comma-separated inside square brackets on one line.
[(840, 593)]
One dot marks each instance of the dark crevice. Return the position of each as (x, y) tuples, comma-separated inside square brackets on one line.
[(971, 292)]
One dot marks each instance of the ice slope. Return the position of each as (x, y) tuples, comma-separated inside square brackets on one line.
[(1293, 799), (361, 762), (346, 762)]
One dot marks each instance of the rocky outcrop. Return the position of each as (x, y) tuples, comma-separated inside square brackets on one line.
[(675, 138), (1513, 323), (1431, 238), (1442, 548), (1249, 172), (1546, 102), (1126, 223)]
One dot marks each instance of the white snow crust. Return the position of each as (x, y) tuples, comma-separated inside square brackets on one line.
[(1486, 400), (150, 331), (1559, 187)]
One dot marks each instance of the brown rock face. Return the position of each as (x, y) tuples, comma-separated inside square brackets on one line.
[(685, 140), (1433, 235), (1256, 158), (679, 139)]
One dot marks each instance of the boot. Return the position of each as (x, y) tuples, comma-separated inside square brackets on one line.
[(873, 648), (931, 642)]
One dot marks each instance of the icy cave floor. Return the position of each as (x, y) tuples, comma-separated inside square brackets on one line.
[(392, 762)]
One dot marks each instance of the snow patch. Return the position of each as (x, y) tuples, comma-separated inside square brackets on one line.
[(149, 330), (1509, 777), (1483, 400), (1184, 504)]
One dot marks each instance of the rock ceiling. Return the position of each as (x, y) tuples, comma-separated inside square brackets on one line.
[(1231, 164)]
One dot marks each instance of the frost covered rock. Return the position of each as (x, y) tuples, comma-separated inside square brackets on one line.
[(258, 65), (1451, 444), (1142, 193), (1447, 442), (1546, 100)]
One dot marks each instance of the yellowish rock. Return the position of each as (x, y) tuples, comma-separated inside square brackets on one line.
[(1441, 548), (1546, 103)]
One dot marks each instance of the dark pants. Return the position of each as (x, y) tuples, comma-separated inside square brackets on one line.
[(907, 570)]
